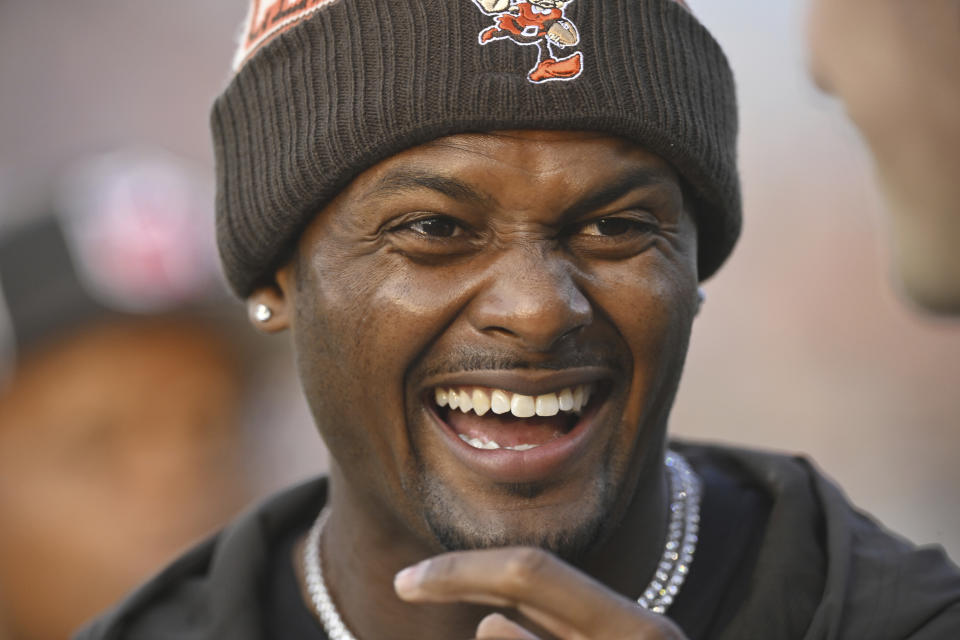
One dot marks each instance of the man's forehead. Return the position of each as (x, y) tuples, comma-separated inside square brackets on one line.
[(529, 152), (528, 136)]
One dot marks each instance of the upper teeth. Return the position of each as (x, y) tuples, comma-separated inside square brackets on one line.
[(480, 401)]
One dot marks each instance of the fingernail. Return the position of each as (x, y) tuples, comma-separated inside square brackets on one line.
[(407, 580)]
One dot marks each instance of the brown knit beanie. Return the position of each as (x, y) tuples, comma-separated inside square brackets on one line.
[(325, 89)]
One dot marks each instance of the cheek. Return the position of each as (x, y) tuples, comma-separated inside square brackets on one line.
[(374, 316), (653, 310), (358, 330)]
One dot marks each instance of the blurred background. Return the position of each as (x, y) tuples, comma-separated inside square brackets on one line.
[(105, 167)]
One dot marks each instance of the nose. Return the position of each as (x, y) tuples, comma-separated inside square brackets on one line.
[(531, 298)]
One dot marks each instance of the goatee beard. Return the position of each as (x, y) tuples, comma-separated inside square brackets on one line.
[(457, 529)]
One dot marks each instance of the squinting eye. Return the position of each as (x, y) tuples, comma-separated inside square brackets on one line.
[(436, 227), (614, 227)]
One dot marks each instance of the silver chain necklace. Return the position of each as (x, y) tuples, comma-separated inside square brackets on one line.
[(685, 488)]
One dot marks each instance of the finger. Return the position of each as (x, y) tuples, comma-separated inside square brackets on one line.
[(498, 627), (551, 593)]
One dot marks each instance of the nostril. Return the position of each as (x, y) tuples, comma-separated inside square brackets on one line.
[(571, 332), (542, 338), (501, 331)]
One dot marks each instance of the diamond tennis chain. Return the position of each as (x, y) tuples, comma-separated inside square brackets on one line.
[(685, 488)]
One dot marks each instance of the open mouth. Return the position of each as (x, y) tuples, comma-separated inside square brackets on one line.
[(494, 419)]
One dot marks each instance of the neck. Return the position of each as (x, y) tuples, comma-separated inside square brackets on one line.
[(364, 547)]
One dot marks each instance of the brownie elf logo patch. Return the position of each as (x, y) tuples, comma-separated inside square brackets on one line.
[(268, 19), (541, 24)]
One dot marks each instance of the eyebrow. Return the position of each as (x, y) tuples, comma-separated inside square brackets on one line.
[(402, 180), (635, 178)]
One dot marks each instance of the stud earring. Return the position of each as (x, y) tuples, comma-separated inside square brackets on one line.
[(262, 313), (701, 295)]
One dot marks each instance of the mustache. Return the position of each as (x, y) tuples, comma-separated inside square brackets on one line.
[(465, 360)]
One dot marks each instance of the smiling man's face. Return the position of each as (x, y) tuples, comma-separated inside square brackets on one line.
[(551, 273)]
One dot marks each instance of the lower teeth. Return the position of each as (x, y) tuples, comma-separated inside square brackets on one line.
[(477, 443)]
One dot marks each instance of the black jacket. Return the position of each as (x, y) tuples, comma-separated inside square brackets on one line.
[(824, 571)]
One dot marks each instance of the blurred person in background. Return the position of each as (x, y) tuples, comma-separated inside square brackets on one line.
[(896, 67), (120, 439)]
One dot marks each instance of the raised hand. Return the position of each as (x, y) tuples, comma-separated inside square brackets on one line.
[(566, 602)]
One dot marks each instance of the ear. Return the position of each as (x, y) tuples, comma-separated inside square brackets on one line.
[(269, 308)]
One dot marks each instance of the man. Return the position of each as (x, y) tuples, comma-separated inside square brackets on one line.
[(490, 283), (894, 65)]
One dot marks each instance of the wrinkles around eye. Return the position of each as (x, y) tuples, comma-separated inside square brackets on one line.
[(432, 236), (608, 236)]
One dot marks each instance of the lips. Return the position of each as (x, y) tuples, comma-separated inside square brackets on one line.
[(520, 427)]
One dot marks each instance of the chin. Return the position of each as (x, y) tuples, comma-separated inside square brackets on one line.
[(567, 529)]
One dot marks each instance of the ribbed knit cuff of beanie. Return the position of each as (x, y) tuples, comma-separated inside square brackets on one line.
[(325, 89)]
